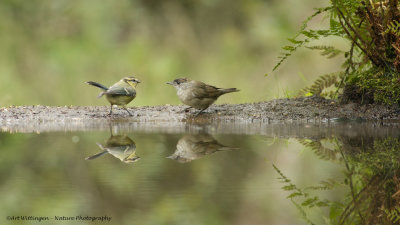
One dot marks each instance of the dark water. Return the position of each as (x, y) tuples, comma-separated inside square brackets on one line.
[(343, 173)]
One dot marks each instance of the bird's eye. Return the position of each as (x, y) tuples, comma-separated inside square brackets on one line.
[(180, 81)]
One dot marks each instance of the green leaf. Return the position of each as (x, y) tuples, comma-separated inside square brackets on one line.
[(289, 187), (289, 48), (295, 194), (294, 41), (309, 202)]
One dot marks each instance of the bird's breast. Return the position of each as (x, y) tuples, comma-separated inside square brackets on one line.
[(119, 99)]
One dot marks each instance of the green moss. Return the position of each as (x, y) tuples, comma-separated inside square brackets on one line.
[(376, 85)]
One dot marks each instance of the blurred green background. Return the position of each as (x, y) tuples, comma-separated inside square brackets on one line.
[(48, 49)]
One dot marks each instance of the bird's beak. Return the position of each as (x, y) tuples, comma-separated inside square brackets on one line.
[(173, 156), (138, 81), (131, 160), (170, 83)]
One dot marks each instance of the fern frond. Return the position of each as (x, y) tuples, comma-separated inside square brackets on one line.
[(310, 35), (323, 82), (393, 215), (307, 200), (328, 51), (324, 185), (302, 213), (318, 149), (393, 27), (305, 22)]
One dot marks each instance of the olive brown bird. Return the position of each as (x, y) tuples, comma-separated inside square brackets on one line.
[(197, 94), (195, 146), (120, 93)]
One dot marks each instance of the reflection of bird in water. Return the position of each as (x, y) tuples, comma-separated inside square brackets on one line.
[(121, 147), (194, 146)]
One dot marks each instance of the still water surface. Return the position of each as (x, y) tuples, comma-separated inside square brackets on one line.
[(287, 174)]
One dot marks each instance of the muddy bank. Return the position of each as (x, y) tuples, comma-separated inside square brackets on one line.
[(299, 110)]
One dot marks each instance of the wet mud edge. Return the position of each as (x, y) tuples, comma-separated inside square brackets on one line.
[(303, 110)]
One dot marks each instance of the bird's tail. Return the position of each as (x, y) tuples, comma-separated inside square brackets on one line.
[(97, 85), (229, 90), (226, 148), (96, 155)]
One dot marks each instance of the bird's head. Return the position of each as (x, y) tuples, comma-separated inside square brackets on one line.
[(131, 159), (179, 158), (179, 81), (131, 81)]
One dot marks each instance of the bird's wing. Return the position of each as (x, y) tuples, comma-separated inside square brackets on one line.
[(206, 91), (127, 91)]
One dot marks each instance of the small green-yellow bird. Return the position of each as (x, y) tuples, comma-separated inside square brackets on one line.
[(120, 93), (120, 146)]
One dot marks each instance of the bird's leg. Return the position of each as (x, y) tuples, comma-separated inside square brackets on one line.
[(186, 109), (111, 130), (110, 110), (124, 107), (199, 112)]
